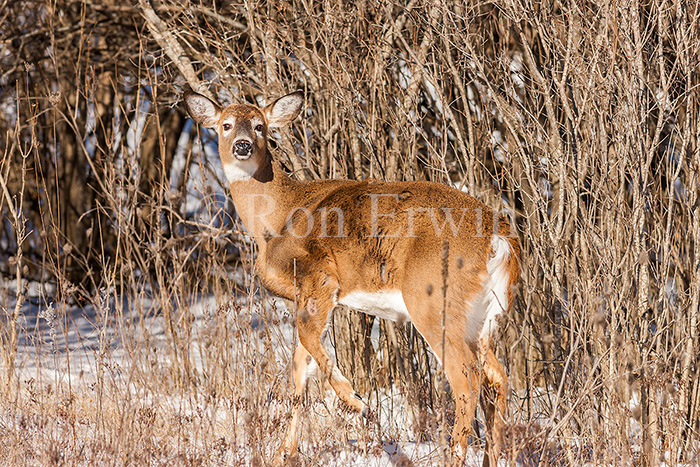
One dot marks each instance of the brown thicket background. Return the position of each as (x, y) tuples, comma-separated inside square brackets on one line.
[(580, 119)]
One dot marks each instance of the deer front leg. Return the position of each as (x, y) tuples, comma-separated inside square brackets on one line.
[(312, 319), (300, 368), (311, 322)]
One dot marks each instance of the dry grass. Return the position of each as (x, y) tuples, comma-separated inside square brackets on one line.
[(581, 120)]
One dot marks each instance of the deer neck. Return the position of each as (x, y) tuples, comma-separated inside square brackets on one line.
[(264, 200)]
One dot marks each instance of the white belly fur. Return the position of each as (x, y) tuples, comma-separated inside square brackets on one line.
[(386, 304)]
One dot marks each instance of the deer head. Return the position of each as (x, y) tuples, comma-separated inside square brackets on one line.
[(243, 129)]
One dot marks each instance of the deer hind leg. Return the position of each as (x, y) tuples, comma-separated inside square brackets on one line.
[(464, 376), (493, 401), (300, 367), (460, 364)]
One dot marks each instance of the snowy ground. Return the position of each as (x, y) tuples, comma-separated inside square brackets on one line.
[(102, 350), (104, 373)]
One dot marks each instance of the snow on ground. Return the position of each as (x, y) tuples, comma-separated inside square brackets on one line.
[(61, 345), (67, 345)]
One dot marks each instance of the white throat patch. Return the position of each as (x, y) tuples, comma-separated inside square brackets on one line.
[(240, 170)]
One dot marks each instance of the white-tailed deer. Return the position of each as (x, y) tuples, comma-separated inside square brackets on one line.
[(415, 251)]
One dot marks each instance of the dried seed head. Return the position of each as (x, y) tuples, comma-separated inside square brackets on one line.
[(54, 98)]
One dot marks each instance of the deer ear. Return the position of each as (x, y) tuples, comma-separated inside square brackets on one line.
[(285, 109), (202, 109)]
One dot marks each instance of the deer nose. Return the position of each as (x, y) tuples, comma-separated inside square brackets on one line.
[(243, 148)]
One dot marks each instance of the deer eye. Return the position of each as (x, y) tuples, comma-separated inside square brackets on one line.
[(259, 128), (227, 126)]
